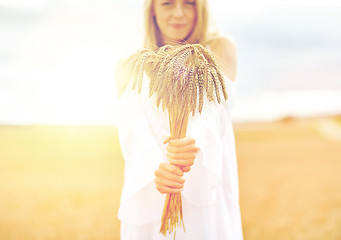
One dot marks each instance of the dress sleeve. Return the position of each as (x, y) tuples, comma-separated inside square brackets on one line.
[(213, 133), (140, 201)]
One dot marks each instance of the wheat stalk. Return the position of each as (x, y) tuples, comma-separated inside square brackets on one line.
[(181, 77)]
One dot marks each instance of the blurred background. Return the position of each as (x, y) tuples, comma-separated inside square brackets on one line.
[(61, 169)]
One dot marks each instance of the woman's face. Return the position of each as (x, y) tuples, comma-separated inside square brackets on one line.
[(175, 18)]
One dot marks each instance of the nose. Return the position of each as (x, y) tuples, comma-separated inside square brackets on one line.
[(178, 10)]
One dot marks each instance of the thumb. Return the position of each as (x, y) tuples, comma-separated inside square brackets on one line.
[(166, 139)]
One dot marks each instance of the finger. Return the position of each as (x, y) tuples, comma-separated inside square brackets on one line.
[(181, 142), (182, 149), (166, 183), (170, 168), (186, 169), (166, 139), (160, 174), (181, 156), (182, 163), (163, 189)]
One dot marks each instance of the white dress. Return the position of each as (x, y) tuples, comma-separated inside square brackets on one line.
[(211, 193)]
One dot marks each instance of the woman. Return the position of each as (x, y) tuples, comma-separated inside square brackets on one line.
[(201, 165)]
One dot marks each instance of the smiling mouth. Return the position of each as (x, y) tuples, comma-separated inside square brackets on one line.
[(178, 26)]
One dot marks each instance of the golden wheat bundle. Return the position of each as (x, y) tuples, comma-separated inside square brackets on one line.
[(181, 77)]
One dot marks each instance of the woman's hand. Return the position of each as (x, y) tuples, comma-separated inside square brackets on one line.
[(181, 154), (168, 178)]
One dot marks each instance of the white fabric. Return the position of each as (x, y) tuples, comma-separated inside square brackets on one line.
[(210, 197)]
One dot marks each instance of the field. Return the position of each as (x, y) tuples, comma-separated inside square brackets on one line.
[(59, 182)]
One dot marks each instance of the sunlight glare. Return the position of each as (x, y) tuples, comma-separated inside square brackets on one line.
[(71, 56)]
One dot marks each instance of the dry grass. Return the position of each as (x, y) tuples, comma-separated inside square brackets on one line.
[(59, 183), (65, 182), (290, 181), (180, 76)]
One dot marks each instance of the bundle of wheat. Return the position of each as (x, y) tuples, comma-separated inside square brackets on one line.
[(180, 77)]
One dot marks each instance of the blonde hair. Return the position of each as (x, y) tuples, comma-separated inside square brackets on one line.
[(152, 35)]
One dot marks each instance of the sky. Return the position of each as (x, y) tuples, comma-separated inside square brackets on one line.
[(57, 58)]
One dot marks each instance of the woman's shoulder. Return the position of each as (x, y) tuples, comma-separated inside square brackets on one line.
[(224, 49), (223, 42)]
